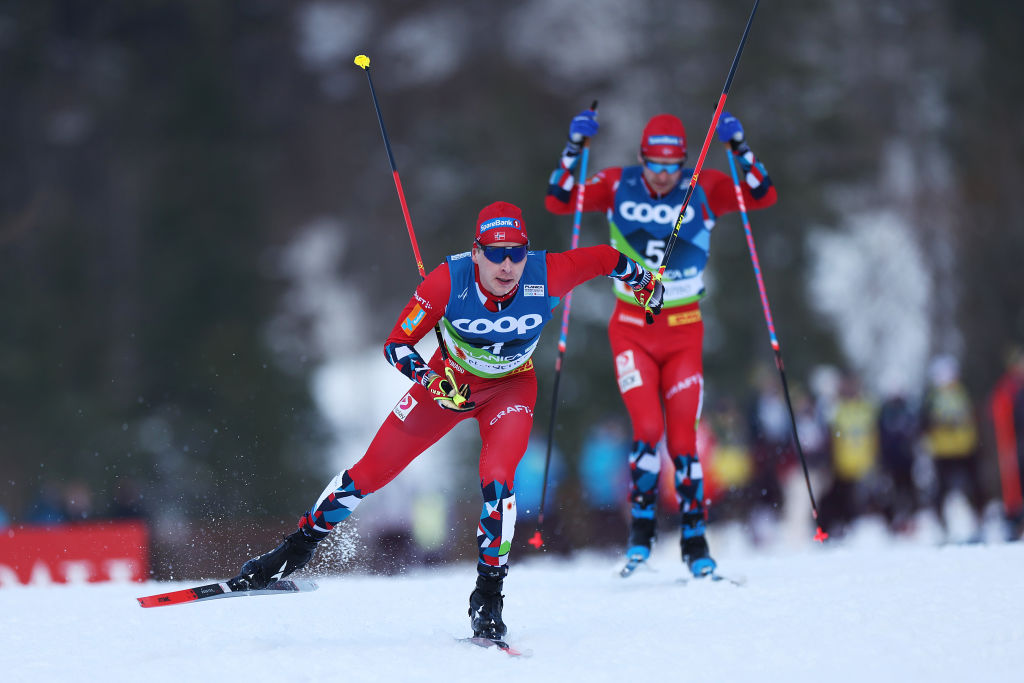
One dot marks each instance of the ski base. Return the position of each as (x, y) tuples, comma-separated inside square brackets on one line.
[(212, 591), (495, 642)]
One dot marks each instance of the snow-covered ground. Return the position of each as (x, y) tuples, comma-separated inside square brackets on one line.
[(861, 610)]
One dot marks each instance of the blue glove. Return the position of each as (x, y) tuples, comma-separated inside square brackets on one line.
[(584, 125), (730, 129)]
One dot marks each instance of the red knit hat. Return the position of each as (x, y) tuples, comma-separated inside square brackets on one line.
[(500, 222), (664, 138)]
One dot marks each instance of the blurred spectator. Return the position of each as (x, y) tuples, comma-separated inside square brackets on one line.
[(854, 447), (897, 434), (770, 439), (430, 525), (128, 499), (48, 506), (825, 382), (812, 428), (605, 482), (529, 481), (1007, 408), (729, 470), (950, 434), (78, 501), (5, 521)]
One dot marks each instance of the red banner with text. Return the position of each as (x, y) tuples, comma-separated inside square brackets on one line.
[(78, 552)]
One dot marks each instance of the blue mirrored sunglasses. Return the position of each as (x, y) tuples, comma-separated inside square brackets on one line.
[(498, 254), (655, 167)]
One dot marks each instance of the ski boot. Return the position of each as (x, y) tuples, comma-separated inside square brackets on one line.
[(695, 548), (485, 603), (641, 537), (259, 572)]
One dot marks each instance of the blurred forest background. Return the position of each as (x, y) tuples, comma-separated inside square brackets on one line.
[(197, 212)]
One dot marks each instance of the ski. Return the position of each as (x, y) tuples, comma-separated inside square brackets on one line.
[(631, 566), (634, 562), (734, 580), (223, 590), (715, 578), (495, 642)]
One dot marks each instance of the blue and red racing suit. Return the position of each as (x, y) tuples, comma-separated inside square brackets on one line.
[(662, 364), (489, 341)]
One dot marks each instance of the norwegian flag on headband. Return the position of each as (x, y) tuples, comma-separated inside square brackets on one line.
[(501, 222)]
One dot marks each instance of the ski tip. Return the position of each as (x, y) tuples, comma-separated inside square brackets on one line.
[(497, 643), (734, 580)]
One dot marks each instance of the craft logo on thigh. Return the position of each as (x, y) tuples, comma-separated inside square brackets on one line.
[(404, 407), (692, 380), (517, 408)]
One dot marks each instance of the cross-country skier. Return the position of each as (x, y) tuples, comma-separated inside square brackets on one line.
[(491, 304), (660, 367)]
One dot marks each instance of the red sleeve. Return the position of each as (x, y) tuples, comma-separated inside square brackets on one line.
[(721, 193), (424, 309), (570, 268), (599, 195)]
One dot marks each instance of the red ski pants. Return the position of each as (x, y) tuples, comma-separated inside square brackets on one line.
[(504, 409), (660, 373)]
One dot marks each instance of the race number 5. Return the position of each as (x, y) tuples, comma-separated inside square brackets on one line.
[(655, 252)]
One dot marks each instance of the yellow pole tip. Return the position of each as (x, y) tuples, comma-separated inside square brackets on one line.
[(362, 61)]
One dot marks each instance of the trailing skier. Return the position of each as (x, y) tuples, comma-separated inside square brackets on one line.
[(659, 367)]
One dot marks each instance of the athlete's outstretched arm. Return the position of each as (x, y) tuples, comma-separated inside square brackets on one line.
[(419, 316), (570, 268), (758, 190), (600, 194)]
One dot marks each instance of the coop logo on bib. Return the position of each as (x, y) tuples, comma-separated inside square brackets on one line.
[(505, 325), (642, 212)]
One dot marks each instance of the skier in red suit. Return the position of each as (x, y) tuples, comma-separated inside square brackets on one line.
[(491, 304), (660, 368)]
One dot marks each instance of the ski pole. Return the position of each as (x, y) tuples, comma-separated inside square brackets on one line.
[(363, 62), (703, 153), (819, 535), (537, 540)]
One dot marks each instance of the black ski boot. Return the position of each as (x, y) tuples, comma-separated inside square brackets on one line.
[(695, 547), (485, 603), (259, 572), (641, 538)]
